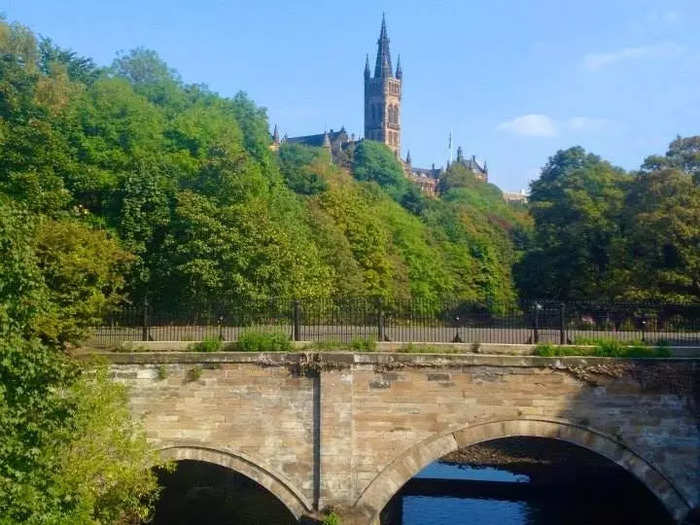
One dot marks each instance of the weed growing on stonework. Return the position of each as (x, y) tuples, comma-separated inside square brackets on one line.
[(194, 373), (331, 519), (603, 348)]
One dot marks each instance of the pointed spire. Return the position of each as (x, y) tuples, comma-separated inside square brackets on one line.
[(275, 136), (326, 140), (367, 67), (382, 68), (399, 72), (408, 157)]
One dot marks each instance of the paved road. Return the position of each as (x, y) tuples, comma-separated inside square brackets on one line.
[(424, 334)]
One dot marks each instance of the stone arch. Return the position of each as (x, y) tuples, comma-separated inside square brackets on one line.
[(388, 482), (276, 483)]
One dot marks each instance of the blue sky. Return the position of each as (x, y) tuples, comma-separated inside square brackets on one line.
[(514, 80)]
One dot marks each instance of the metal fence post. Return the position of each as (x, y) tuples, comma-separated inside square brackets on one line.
[(297, 321), (146, 328), (562, 324), (380, 320), (536, 332)]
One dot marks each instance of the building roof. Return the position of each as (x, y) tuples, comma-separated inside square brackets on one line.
[(318, 140), (432, 173), (382, 68)]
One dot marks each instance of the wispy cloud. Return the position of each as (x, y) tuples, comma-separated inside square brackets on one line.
[(597, 61), (538, 125), (533, 125)]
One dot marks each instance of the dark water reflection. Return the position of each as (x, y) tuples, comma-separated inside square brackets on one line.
[(200, 493), (442, 494), (616, 498)]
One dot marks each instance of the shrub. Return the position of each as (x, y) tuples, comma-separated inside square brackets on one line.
[(210, 344), (252, 341), (411, 348), (363, 344), (357, 344), (331, 519)]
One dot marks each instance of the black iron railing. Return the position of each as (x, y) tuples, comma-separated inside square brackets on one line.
[(409, 321)]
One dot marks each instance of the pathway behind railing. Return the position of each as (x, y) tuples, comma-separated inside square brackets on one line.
[(343, 320)]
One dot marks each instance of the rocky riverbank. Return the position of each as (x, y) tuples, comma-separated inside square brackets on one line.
[(545, 461)]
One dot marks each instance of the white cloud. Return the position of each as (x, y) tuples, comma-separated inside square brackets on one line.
[(533, 125), (537, 125), (596, 61)]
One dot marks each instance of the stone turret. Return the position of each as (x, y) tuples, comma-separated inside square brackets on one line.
[(383, 96)]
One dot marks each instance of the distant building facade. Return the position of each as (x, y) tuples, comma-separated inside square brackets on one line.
[(479, 169), (512, 196)]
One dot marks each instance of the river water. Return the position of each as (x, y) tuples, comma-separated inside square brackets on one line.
[(614, 500), (441, 494)]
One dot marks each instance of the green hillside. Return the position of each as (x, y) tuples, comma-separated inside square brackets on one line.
[(185, 182)]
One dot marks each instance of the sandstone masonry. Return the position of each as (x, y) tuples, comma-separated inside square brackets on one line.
[(348, 430)]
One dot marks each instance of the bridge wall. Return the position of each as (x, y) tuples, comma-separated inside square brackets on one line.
[(348, 430)]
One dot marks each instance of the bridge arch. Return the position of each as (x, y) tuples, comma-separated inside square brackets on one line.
[(411, 461), (276, 483)]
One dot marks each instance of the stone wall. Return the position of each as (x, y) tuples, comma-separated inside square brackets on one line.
[(347, 430)]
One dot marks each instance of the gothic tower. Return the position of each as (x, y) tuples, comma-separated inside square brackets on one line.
[(383, 97)]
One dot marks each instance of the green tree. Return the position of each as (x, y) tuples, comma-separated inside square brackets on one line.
[(662, 227), (68, 451), (83, 270), (375, 162), (302, 168), (80, 69), (576, 205), (683, 154)]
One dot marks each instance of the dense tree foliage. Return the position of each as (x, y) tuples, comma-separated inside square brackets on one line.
[(69, 451), (186, 183), (601, 233)]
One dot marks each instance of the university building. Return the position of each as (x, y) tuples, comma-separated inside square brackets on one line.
[(383, 122)]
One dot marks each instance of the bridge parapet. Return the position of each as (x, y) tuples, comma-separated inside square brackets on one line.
[(348, 429)]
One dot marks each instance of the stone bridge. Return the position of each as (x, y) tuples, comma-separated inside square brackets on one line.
[(348, 430)]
